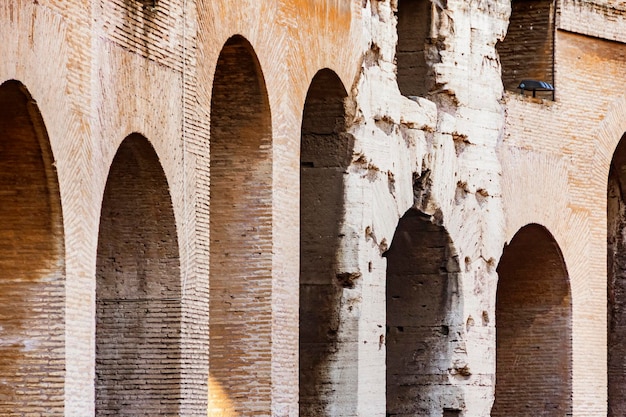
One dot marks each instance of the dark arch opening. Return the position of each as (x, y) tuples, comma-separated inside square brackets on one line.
[(138, 290), (326, 152), (422, 302), (533, 328), (32, 262), (527, 52), (414, 21), (240, 281), (616, 285)]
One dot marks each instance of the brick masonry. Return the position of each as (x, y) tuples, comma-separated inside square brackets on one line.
[(217, 89)]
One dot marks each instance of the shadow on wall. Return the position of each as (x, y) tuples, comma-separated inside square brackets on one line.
[(32, 262), (424, 319), (527, 52), (533, 328), (616, 282), (138, 290), (414, 21), (326, 152), (240, 278)]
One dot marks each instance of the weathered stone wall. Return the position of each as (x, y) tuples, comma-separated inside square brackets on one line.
[(218, 89)]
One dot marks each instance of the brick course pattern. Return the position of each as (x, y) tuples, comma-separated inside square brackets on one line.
[(216, 206), (138, 316), (533, 337)]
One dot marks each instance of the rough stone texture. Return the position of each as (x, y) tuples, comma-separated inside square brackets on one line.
[(423, 332), (327, 347), (226, 121)]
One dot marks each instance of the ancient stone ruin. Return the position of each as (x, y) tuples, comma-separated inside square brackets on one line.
[(373, 208)]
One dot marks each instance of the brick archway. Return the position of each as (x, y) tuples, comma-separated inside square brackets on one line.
[(137, 289), (32, 262), (240, 280), (533, 328)]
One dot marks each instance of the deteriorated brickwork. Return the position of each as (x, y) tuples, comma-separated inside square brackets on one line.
[(533, 322), (137, 290), (31, 262), (241, 240), (151, 30)]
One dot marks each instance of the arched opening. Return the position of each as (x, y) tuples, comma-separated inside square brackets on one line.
[(326, 152), (423, 311), (138, 290), (240, 281), (533, 328), (32, 262), (527, 52), (616, 285), (414, 21)]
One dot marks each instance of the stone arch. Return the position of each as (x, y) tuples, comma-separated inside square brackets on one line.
[(240, 280), (138, 289), (326, 152), (32, 262), (616, 283), (527, 52), (414, 21), (533, 328), (424, 318)]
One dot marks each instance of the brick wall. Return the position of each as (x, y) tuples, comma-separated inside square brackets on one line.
[(32, 267), (326, 152), (413, 28), (616, 284), (533, 329), (422, 298), (241, 238), (155, 33), (138, 289), (527, 52), (565, 148)]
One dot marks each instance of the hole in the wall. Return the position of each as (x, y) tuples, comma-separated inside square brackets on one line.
[(413, 27), (527, 52), (147, 3), (420, 299), (326, 151), (137, 289), (533, 328), (240, 277), (32, 261)]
